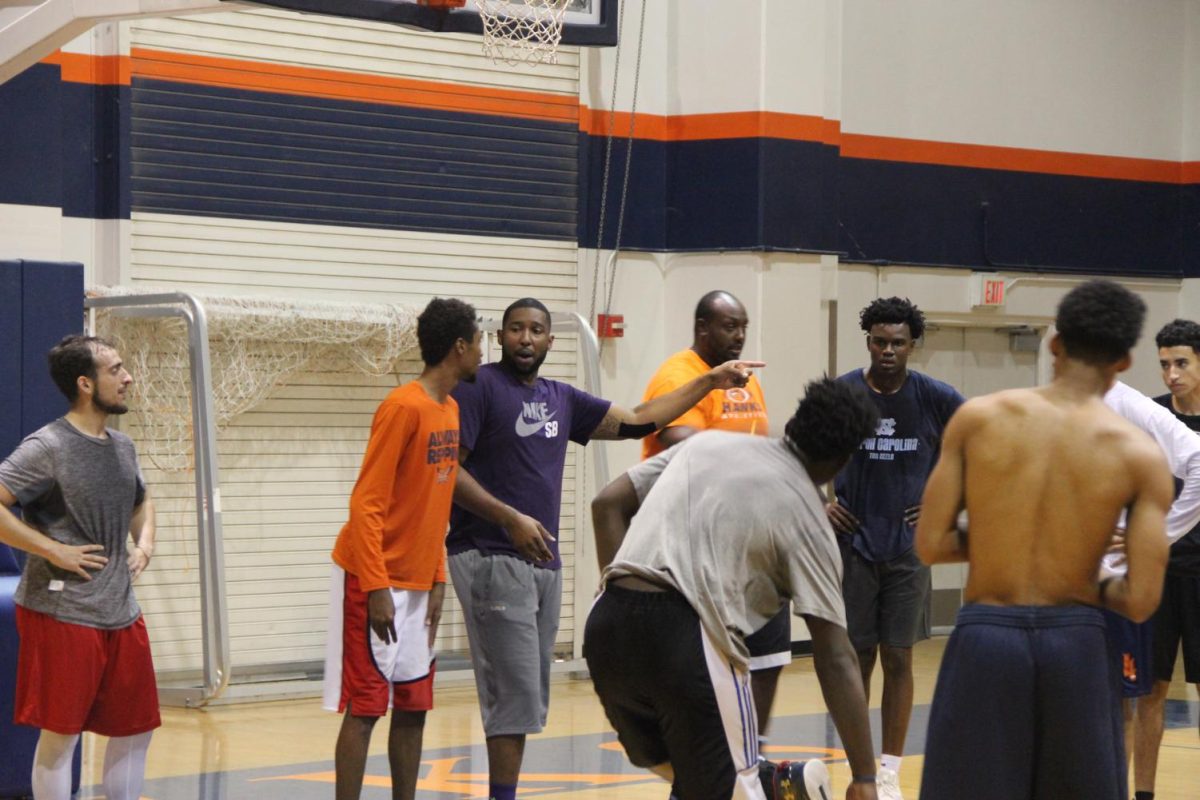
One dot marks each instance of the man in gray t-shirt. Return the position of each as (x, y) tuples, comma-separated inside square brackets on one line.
[(728, 529), (84, 661)]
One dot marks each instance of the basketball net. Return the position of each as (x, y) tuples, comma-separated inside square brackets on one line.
[(255, 345), (522, 31)]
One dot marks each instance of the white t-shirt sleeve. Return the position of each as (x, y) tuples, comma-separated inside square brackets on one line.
[(1179, 444)]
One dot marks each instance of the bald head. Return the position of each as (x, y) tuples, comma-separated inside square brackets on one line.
[(719, 328)]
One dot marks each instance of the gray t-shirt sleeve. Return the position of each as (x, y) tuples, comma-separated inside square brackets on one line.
[(646, 474), (29, 472), (815, 573)]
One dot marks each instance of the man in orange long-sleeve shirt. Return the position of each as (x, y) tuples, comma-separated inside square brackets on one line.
[(390, 557)]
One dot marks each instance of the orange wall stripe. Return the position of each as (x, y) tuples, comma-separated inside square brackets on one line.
[(695, 127), (883, 148), (313, 82), (340, 85), (98, 70)]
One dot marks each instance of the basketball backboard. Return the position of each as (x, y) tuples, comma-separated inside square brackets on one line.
[(588, 23)]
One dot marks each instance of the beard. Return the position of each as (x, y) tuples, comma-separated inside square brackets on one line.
[(117, 408), (507, 360)]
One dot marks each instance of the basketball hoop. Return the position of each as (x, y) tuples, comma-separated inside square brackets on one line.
[(522, 31)]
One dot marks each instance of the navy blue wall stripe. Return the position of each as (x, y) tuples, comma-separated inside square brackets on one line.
[(229, 152), (936, 215), (31, 163), (100, 151), (11, 309), (775, 194), (40, 302), (63, 144)]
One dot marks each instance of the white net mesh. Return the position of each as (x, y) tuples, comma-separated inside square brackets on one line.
[(522, 31), (255, 345)]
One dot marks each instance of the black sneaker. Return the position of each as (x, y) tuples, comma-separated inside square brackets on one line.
[(795, 780)]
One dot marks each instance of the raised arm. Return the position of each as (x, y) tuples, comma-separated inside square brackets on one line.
[(528, 535), (939, 539), (658, 412), (15, 533), (1136, 594)]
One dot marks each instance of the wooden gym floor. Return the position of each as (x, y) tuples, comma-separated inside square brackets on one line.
[(284, 749)]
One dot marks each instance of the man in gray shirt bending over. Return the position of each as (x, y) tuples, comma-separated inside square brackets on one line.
[(728, 529), (84, 661)]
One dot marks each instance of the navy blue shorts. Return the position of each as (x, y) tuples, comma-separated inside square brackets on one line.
[(1026, 706), (1132, 644), (771, 645)]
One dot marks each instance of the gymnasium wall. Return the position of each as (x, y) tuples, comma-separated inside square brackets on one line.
[(808, 155), (298, 157), (1024, 135)]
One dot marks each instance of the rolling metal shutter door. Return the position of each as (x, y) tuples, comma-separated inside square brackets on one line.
[(288, 466)]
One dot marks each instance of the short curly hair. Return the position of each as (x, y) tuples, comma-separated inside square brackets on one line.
[(74, 357), (893, 311), (1179, 333), (1099, 322), (525, 302), (832, 420), (443, 322)]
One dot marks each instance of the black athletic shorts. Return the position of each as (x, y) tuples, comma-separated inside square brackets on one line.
[(670, 695), (1177, 622)]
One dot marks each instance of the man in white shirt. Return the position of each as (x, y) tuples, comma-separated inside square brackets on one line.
[(1181, 446)]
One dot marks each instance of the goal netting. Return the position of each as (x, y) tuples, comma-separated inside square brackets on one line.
[(255, 344)]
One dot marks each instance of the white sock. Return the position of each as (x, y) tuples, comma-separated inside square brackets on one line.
[(52, 765), (125, 766), (891, 762)]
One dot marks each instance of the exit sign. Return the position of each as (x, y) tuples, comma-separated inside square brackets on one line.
[(988, 290)]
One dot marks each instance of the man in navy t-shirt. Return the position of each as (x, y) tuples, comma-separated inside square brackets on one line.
[(886, 587), (503, 550)]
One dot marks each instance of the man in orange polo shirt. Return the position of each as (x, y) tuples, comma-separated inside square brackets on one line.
[(389, 574), (718, 334)]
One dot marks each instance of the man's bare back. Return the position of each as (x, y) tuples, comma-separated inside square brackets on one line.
[(1044, 475)]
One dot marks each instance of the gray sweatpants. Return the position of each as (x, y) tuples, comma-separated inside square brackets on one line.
[(511, 609)]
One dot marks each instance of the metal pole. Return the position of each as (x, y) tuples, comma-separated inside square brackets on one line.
[(210, 541)]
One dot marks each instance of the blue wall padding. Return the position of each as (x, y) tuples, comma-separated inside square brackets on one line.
[(40, 302), (53, 302), (10, 355)]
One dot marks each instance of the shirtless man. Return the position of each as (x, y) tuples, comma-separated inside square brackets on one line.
[(1025, 703)]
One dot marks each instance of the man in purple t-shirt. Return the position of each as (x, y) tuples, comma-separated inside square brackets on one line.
[(514, 427)]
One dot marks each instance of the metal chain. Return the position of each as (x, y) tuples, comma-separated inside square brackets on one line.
[(611, 277), (612, 121)]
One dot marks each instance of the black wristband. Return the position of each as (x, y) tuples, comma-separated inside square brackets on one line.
[(863, 779), (627, 431)]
